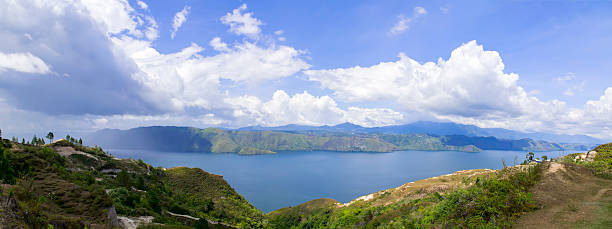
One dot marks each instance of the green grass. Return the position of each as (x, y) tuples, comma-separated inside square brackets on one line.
[(489, 203), (601, 164)]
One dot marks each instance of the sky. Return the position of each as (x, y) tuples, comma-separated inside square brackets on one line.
[(84, 65)]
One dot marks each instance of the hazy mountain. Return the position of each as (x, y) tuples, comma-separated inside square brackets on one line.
[(345, 137), (436, 128)]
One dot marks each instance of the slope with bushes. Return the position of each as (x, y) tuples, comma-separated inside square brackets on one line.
[(67, 185)]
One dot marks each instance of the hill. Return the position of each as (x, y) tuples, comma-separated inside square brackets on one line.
[(188, 139), (435, 128), (66, 185)]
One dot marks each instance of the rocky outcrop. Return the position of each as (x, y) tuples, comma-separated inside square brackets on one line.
[(589, 156), (113, 221), (134, 222)]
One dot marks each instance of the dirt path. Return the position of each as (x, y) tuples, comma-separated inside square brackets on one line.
[(571, 197), (602, 192)]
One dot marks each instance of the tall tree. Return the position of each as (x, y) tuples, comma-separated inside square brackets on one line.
[(50, 137)]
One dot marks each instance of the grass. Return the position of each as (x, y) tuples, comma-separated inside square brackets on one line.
[(71, 191), (495, 201)]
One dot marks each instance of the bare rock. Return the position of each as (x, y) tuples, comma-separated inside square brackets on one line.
[(113, 221)]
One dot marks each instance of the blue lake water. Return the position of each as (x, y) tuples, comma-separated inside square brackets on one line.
[(287, 179)]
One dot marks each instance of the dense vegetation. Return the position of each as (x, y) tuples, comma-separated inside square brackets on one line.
[(41, 190), (263, 142), (601, 165), (71, 186)]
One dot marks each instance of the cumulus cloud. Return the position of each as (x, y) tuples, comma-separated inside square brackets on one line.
[(403, 22), (23, 62), (470, 83), (470, 87), (304, 108), (242, 23), (219, 45), (179, 19), (74, 40)]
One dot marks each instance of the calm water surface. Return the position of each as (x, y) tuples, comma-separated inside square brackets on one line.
[(286, 179)]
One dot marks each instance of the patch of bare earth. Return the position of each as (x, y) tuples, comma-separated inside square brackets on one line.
[(421, 188), (570, 196)]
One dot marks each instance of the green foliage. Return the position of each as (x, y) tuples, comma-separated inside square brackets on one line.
[(123, 178), (489, 203), (601, 164), (7, 173), (50, 136)]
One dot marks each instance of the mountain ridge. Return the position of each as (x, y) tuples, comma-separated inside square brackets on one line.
[(214, 140), (437, 128)]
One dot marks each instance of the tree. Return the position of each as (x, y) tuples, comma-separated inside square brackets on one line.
[(0, 134), (123, 178), (529, 157), (7, 174), (80, 141), (50, 137), (140, 184), (201, 224)]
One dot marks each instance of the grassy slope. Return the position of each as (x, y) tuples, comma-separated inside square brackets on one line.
[(72, 186), (577, 195), (199, 186), (471, 199), (45, 192)]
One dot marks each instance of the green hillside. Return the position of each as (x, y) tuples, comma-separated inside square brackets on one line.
[(67, 185), (187, 139)]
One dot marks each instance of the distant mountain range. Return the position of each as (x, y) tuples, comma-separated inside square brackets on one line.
[(436, 128), (343, 137)]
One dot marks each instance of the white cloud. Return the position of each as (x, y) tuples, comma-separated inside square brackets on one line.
[(142, 5), (179, 19), (74, 38), (125, 60), (278, 32), (219, 45), (403, 22), (242, 24), (304, 108), (418, 11), (568, 77), (470, 83), (469, 88), (23, 62), (373, 116), (116, 16)]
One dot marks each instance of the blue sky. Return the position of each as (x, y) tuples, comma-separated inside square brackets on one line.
[(521, 65), (539, 40)]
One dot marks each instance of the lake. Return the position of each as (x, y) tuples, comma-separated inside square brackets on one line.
[(287, 179)]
